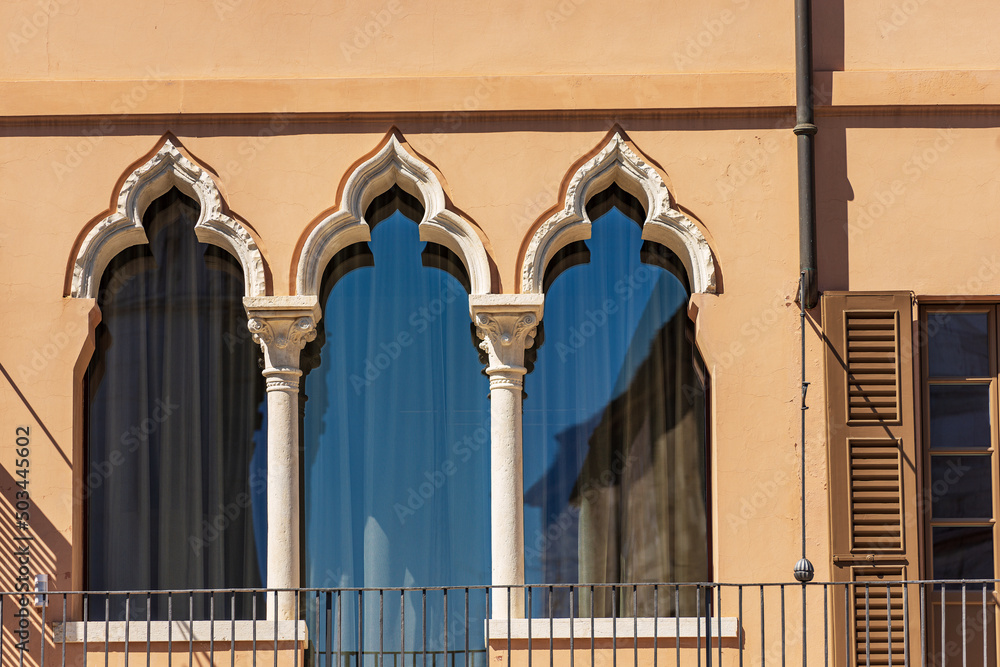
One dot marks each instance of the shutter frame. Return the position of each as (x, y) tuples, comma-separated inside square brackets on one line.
[(872, 452)]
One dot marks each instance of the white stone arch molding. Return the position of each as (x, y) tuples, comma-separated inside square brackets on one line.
[(123, 228), (617, 163), (392, 165)]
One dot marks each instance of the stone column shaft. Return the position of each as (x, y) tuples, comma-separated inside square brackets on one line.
[(507, 324), (282, 326)]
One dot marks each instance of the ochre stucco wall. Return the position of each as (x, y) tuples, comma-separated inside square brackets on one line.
[(504, 102)]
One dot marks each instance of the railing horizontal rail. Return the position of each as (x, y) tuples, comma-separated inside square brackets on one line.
[(872, 620)]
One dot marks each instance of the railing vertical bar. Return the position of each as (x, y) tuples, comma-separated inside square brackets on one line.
[(923, 626), (170, 631), (297, 598), (826, 625), (149, 625), (593, 639), (868, 633), (635, 623), (274, 636), (985, 633), (656, 622), (329, 628), (361, 626), (572, 623), (614, 629), (762, 657), (782, 593), (64, 628), (739, 615), (402, 627), (944, 660), (232, 629), (697, 616), (888, 616), (906, 625), (253, 631), (381, 627), (191, 628), (965, 641), (718, 620), (423, 621), (128, 618), (529, 614), (677, 623), (41, 640), (467, 627), (340, 630), (86, 630), (445, 627), (107, 626), (211, 629), (850, 629), (551, 627), (509, 623), (489, 594)]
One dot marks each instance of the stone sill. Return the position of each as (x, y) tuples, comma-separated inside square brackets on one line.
[(181, 632), (607, 628)]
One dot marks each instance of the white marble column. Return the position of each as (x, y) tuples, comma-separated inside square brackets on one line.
[(507, 324), (282, 326)]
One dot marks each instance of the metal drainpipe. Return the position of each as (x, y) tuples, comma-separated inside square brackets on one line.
[(804, 130)]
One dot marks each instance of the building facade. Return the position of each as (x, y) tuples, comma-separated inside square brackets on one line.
[(355, 303)]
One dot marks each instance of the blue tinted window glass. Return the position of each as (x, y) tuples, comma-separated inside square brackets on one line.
[(958, 344), (176, 477), (963, 552), (960, 416), (396, 446), (961, 487), (614, 432)]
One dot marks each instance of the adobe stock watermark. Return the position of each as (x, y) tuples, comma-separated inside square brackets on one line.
[(563, 10), (212, 529), (131, 439), (900, 15), (249, 148), (387, 352), (29, 26), (454, 119), (594, 320), (559, 525), (46, 352), (914, 168), (125, 104), (712, 29), (372, 27), (462, 452)]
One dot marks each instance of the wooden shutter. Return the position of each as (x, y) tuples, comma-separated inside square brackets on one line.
[(873, 476)]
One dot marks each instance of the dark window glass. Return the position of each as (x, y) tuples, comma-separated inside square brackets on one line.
[(963, 552), (396, 442), (614, 428), (958, 344), (961, 487), (175, 480), (960, 416)]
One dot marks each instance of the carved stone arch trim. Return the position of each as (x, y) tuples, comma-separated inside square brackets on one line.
[(391, 165), (123, 228), (617, 163)]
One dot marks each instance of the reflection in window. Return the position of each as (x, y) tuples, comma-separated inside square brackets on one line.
[(175, 479), (396, 442), (614, 428)]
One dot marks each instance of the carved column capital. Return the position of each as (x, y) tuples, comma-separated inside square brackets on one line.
[(282, 325), (507, 324)]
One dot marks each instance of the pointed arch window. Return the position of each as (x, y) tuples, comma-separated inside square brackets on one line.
[(396, 436), (175, 478), (615, 482)]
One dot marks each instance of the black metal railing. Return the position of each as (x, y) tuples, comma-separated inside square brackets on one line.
[(870, 621)]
